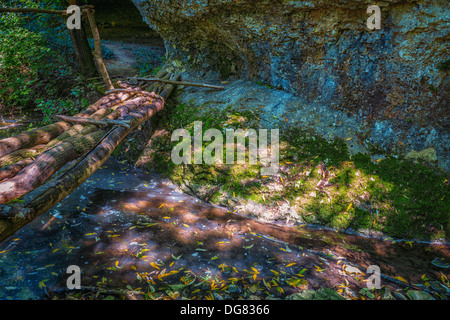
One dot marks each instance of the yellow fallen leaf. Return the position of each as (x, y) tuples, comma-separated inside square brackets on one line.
[(349, 206), (275, 272), (161, 206), (166, 217), (154, 265), (291, 264), (117, 264), (319, 269), (401, 279), (90, 234)]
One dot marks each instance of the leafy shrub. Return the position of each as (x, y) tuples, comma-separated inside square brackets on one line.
[(37, 62)]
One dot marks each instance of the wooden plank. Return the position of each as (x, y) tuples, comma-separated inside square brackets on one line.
[(182, 83)]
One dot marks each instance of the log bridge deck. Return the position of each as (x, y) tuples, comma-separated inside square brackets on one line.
[(39, 168)]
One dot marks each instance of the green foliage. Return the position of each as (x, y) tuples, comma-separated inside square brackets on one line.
[(37, 65)]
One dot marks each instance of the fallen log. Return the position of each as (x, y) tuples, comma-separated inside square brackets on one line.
[(11, 170), (44, 135), (31, 138), (46, 165)]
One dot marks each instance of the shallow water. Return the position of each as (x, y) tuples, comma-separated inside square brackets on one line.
[(127, 229)]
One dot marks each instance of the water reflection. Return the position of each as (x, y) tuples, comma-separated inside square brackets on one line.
[(128, 229)]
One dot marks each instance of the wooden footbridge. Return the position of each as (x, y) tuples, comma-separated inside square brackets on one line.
[(39, 168)]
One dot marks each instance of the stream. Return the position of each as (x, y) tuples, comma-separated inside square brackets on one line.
[(134, 235)]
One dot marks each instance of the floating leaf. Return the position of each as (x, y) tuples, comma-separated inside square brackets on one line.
[(255, 270), (319, 269), (291, 264), (401, 279), (154, 265)]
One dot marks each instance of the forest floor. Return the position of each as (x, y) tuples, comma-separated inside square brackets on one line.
[(136, 235)]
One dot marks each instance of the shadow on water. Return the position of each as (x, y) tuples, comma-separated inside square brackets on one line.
[(131, 230)]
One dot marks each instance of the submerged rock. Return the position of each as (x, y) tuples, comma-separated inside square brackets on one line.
[(419, 295)]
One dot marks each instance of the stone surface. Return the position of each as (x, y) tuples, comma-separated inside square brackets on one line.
[(387, 81), (419, 295)]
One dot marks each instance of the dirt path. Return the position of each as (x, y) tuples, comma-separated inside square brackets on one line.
[(127, 56)]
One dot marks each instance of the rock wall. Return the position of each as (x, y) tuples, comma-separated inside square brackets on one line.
[(395, 80)]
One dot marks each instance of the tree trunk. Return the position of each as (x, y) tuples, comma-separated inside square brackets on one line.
[(83, 52)]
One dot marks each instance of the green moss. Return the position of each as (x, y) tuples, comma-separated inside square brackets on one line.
[(395, 196)]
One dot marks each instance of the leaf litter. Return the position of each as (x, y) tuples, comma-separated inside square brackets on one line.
[(127, 252)]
